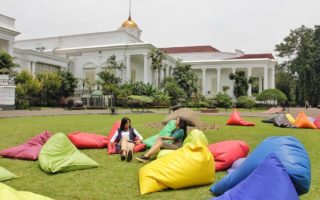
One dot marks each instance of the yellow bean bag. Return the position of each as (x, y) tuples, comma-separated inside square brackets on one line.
[(290, 119), (8, 193), (190, 165), (194, 136)]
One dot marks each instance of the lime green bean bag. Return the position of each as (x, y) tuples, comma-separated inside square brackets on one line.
[(166, 131), (6, 175), (60, 155), (193, 137), (9, 193)]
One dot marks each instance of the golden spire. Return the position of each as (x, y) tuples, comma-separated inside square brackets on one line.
[(129, 23)]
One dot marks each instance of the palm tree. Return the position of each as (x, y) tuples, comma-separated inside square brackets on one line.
[(113, 65), (156, 57)]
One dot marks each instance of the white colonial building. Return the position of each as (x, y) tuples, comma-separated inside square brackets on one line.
[(86, 54)]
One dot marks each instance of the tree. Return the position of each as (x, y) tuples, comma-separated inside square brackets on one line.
[(51, 84), (300, 52), (274, 95), (157, 58), (27, 87), (185, 77), (240, 83), (175, 92), (113, 65), (68, 83), (6, 63), (245, 102)]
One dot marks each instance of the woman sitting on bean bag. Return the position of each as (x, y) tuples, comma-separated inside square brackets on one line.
[(177, 137), (125, 138)]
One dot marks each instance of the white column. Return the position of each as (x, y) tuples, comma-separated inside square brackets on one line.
[(128, 68), (10, 48), (145, 69), (218, 80), (234, 70), (265, 78), (272, 78), (260, 84), (204, 82), (250, 86), (167, 71), (161, 76)]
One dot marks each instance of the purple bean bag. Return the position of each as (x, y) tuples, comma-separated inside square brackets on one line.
[(269, 181), (28, 151), (236, 165)]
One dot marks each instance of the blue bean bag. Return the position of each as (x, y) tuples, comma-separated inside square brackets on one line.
[(269, 181), (290, 152)]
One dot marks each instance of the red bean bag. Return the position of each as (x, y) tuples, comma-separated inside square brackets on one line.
[(317, 122), (235, 119), (302, 121), (227, 152), (29, 150), (114, 128), (84, 140)]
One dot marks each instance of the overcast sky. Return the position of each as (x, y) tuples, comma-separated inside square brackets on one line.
[(252, 25)]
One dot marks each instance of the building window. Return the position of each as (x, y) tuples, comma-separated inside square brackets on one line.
[(89, 74), (45, 68)]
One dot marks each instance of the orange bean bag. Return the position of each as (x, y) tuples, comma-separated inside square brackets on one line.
[(83, 140), (317, 122), (302, 121), (225, 153), (112, 148), (235, 119)]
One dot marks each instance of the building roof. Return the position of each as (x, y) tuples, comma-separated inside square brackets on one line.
[(253, 56), (190, 49)]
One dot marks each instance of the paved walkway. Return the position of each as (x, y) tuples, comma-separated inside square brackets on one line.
[(313, 112)]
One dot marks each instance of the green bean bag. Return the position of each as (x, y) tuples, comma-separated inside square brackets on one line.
[(9, 193), (60, 155), (6, 175), (166, 131)]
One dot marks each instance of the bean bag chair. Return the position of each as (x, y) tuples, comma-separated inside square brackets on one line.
[(88, 140), (235, 119), (269, 181), (60, 155), (236, 165), (290, 152), (29, 150), (270, 120), (188, 166), (8, 193), (282, 121), (317, 122), (166, 131), (114, 128), (6, 175), (302, 121), (311, 119), (227, 152), (290, 118), (192, 118), (192, 138)]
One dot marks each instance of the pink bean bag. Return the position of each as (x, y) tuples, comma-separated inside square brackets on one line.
[(317, 122), (227, 152), (84, 140), (28, 151), (235, 119)]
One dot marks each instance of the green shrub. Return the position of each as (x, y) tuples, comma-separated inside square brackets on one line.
[(273, 95), (245, 102), (223, 100)]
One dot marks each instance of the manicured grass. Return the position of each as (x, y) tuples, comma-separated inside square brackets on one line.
[(115, 179)]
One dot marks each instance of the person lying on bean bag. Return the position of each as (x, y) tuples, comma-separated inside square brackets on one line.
[(177, 136)]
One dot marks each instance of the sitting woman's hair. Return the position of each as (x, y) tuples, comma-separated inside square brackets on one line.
[(124, 121), (183, 126)]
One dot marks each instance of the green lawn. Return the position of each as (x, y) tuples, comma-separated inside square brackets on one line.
[(119, 180)]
